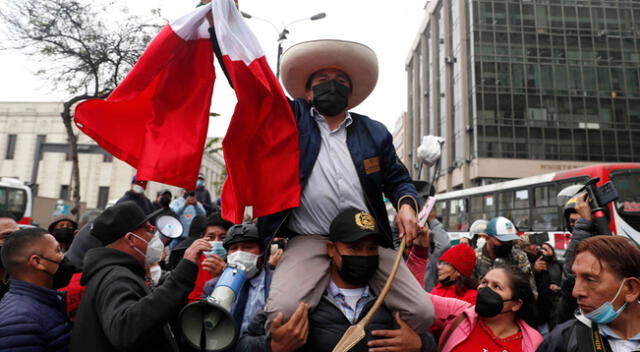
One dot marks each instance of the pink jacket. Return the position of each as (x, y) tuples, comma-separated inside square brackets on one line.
[(448, 309)]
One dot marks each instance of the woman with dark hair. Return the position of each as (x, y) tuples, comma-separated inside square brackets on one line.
[(500, 320), (454, 274), (548, 275)]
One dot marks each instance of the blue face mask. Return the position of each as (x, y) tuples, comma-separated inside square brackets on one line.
[(200, 183), (217, 249), (605, 313)]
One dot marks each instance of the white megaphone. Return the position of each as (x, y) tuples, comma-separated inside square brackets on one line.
[(169, 226), (208, 325)]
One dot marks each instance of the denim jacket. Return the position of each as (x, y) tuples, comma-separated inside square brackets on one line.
[(374, 156)]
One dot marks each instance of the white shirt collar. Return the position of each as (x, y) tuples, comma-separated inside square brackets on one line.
[(320, 118)]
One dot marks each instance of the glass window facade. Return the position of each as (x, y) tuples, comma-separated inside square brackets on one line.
[(557, 80), (538, 80)]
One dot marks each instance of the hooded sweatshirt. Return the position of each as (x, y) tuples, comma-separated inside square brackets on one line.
[(119, 313)]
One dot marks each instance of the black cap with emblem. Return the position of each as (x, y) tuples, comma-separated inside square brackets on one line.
[(353, 225)]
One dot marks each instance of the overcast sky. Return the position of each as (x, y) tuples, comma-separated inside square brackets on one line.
[(388, 27)]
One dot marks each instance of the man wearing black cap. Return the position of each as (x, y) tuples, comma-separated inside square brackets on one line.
[(353, 248), (118, 312)]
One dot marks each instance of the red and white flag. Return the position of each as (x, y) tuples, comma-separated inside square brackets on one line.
[(156, 120), (261, 148)]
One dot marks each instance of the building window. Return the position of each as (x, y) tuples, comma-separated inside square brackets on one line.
[(64, 192), (11, 146), (107, 158), (103, 197)]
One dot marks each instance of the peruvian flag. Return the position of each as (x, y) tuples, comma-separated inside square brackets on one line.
[(156, 120), (261, 145)]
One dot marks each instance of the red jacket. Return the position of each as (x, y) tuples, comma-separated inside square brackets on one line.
[(450, 291), (74, 294)]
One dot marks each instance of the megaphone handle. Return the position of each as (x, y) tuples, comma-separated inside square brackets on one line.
[(387, 285)]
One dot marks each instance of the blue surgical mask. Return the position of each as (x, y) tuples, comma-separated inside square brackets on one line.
[(605, 313), (200, 183), (217, 249)]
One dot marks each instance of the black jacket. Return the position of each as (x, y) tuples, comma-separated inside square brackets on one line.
[(204, 197), (374, 157), (571, 336), (119, 313), (327, 324), (143, 202)]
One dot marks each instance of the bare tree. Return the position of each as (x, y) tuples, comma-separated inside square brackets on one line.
[(84, 49)]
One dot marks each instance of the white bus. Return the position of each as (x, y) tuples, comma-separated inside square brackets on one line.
[(532, 206)]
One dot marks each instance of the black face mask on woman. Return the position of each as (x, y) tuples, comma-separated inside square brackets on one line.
[(358, 270), (489, 303), (330, 97)]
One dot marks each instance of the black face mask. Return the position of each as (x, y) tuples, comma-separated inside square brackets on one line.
[(358, 270), (62, 276), (547, 258), (447, 282), (503, 250), (489, 303), (164, 201), (330, 98), (64, 235)]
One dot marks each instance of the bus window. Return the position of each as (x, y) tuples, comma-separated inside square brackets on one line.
[(506, 202), (481, 207), (489, 205), (441, 212), (522, 199), (16, 202), (458, 219), (628, 204), (545, 212), (514, 205), (3, 198)]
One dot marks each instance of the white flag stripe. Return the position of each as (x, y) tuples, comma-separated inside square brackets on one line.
[(193, 25), (234, 36)]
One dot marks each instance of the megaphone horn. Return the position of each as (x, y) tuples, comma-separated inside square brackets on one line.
[(169, 226), (208, 324)]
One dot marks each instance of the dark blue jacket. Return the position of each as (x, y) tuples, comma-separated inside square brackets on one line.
[(369, 141), (34, 318)]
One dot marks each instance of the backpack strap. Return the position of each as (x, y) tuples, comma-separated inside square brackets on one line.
[(454, 326)]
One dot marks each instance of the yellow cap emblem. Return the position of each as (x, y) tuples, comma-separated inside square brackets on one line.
[(365, 221)]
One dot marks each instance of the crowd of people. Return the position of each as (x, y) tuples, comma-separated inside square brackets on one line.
[(114, 282), (494, 290)]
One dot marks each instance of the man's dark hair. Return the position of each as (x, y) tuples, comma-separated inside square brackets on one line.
[(618, 253), (7, 214), (13, 250), (521, 289), (307, 85), (216, 219), (196, 230)]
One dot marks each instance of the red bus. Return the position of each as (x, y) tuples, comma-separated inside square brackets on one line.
[(532, 206)]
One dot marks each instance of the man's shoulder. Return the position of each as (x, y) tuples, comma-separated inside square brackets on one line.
[(364, 120)]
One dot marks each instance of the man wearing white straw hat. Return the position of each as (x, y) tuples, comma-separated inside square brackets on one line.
[(347, 160)]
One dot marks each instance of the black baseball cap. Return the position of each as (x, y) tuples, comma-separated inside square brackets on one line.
[(241, 233), (353, 225), (116, 221)]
